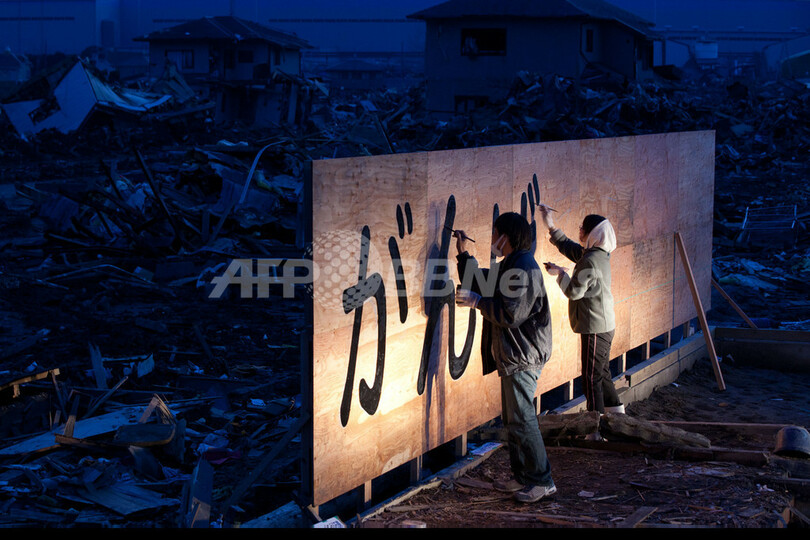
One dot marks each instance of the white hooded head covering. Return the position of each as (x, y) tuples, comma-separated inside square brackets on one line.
[(602, 236)]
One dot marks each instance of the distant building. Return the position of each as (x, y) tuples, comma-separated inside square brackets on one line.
[(14, 70), (730, 37), (474, 48), (236, 60), (355, 74), (789, 59)]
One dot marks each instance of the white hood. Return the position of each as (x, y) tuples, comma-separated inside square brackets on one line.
[(602, 236)]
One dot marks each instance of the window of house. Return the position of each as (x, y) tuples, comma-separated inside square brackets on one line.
[(589, 40), (274, 53), (245, 57), (464, 104), (183, 59), (648, 52), (483, 41)]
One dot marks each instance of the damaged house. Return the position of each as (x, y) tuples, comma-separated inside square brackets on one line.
[(14, 69), (68, 95), (474, 48), (252, 72)]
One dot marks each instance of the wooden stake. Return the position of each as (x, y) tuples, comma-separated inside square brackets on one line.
[(416, 470), (704, 325), (734, 305), (460, 445)]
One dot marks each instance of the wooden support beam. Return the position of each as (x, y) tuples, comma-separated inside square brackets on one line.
[(364, 497), (569, 390), (622, 362), (416, 470), (704, 325), (733, 304), (460, 443)]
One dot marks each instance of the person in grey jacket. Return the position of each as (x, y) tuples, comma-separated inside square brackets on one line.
[(590, 303), (516, 341)]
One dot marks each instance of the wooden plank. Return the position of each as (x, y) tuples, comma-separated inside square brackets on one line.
[(799, 486), (779, 354), (127, 499), (16, 383), (97, 361), (397, 499), (733, 304), (100, 401), (634, 519), (750, 428), (746, 335), (664, 359), (90, 427), (701, 314), (200, 496)]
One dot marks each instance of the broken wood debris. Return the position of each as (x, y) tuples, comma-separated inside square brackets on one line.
[(105, 244)]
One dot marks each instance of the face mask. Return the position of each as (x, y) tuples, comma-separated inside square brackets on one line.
[(497, 251)]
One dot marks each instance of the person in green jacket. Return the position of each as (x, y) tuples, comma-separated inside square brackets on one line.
[(590, 303)]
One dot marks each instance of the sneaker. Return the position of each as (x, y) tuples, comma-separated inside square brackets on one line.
[(534, 493), (508, 486)]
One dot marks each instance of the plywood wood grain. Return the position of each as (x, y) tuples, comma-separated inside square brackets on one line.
[(396, 366)]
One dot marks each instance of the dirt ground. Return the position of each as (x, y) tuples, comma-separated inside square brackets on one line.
[(602, 488)]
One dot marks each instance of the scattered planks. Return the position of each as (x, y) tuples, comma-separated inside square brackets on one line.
[(16, 383)]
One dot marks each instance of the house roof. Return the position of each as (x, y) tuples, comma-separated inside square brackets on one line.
[(535, 9), (225, 29), (9, 60)]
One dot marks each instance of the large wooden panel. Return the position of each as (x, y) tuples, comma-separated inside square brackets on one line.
[(396, 366)]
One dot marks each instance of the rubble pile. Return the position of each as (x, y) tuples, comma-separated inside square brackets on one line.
[(130, 397)]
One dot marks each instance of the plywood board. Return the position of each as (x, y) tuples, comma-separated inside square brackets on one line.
[(396, 366)]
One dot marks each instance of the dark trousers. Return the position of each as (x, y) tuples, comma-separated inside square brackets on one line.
[(596, 380), (527, 452)]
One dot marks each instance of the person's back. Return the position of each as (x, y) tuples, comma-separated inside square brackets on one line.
[(516, 340)]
